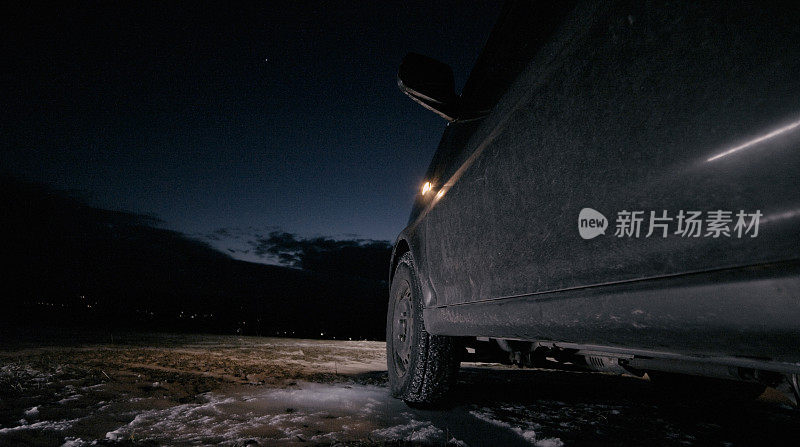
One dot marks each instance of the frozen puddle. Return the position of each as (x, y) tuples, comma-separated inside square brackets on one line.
[(317, 414)]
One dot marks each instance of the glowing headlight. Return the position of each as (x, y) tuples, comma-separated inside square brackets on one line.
[(426, 187)]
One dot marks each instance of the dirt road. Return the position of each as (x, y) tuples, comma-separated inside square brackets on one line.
[(208, 390)]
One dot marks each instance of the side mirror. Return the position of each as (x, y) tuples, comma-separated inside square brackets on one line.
[(430, 83)]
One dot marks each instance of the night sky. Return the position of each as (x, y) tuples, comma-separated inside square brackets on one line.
[(257, 118)]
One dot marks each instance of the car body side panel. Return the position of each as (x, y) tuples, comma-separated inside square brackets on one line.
[(629, 107), (747, 312)]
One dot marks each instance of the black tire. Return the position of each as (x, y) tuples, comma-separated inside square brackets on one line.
[(422, 367)]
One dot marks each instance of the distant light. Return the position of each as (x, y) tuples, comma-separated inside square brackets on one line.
[(772, 134), (426, 187)]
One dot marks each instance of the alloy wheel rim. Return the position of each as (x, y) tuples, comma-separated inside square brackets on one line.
[(402, 330)]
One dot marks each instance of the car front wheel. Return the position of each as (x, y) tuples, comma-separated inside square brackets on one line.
[(422, 367)]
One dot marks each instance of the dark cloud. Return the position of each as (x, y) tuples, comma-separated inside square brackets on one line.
[(223, 232), (353, 257), (235, 235)]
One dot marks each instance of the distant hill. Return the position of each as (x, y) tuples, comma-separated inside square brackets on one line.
[(73, 264)]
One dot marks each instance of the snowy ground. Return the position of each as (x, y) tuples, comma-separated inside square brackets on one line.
[(209, 390)]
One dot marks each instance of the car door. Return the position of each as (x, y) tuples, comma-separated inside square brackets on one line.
[(656, 111)]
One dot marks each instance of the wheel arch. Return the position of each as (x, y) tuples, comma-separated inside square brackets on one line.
[(411, 241), (401, 247)]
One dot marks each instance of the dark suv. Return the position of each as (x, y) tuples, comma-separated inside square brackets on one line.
[(616, 189)]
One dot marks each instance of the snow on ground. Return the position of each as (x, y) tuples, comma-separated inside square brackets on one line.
[(200, 390), (524, 429), (303, 413)]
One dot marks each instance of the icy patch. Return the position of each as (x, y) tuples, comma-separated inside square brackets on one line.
[(525, 433), (528, 435), (414, 431), (326, 397), (192, 420), (69, 399), (32, 412), (310, 412), (43, 425), (74, 442), (549, 442)]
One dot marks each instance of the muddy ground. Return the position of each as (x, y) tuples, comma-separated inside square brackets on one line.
[(157, 389)]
